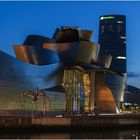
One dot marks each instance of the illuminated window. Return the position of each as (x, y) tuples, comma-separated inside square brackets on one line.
[(86, 84), (123, 37), (120, 57), (120, 22)]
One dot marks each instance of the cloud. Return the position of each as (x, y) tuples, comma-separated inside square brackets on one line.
[(133, 74)]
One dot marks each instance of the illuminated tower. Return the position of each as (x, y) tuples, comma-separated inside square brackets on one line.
[(112, 40)]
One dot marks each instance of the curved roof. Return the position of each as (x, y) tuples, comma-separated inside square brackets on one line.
[(27, 76)]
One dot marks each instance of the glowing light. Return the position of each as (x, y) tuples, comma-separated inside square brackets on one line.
[(108, 17), (124, 74), (123, 37), (120, 22), (121, 57)]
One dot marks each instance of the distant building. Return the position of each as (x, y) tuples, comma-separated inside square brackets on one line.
[(112, 40)]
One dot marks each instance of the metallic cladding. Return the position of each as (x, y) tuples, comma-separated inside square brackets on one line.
[(117, 85), (36, 40), (113, 86), (31, 76), (44, 64), (87, 52), (32, 51), (105, 60), (85, 35), (67, 51), (17, 76), (66, 34), (36, 55), (82, 51), (104, 98)]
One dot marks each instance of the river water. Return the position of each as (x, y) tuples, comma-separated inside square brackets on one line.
[(88, 134)]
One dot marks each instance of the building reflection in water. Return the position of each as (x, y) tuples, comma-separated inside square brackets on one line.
[(92, 134)]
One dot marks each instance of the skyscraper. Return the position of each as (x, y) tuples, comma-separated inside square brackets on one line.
[(112, 40)]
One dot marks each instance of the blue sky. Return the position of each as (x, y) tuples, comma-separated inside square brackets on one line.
[(19, 19)]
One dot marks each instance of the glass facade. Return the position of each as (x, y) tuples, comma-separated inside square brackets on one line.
[(87, 89), (77, 84), (112, 40)]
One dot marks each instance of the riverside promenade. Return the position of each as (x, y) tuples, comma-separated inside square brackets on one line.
[(22, 119)]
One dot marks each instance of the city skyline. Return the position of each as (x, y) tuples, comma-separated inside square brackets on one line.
[(23, 18)]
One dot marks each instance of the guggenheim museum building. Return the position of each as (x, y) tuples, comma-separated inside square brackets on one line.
[(67, 68)]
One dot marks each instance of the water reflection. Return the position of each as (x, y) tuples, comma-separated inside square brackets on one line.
[(92, 134)]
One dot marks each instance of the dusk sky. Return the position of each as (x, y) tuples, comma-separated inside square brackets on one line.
[(19, 19)]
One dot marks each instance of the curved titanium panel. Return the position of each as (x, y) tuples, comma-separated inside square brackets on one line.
[(110, 88), (87, 52), (105, 60), (104, 98), (66, 34), (67, 51), (21, 53), (36, 55), (117, 84), (85, 35), (17, 76), (57, 46), (113, 85), (36, 40)]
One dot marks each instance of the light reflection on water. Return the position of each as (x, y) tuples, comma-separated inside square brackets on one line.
[(92, 134)]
